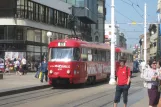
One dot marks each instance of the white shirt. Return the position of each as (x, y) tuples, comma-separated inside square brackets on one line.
[(23, 61), (17, 63)]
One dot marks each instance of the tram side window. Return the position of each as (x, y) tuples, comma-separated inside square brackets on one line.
[(103, 55), (76, 54), (107, 55), (94, 53), (99, 55), (84, 54), (116, 57)]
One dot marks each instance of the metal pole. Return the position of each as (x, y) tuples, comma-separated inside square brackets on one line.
[(112, 77), (145, 48)]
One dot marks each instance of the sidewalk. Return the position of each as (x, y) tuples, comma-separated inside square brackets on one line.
[(12, 83)]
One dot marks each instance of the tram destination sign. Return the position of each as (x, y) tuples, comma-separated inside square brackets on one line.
[(61, 44)]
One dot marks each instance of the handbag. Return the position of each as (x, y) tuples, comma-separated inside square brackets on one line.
[(159, 85), (40, 74)]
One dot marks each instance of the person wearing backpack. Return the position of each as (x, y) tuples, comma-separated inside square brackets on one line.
[(123, 82)]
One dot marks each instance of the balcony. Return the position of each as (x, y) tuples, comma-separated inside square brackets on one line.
[(85, 15)]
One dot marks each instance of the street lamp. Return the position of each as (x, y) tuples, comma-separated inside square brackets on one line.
[(49, 34)]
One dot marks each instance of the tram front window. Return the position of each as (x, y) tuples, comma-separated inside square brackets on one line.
[(65, 54)]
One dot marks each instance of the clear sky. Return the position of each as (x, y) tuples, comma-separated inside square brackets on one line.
[(132, 10)]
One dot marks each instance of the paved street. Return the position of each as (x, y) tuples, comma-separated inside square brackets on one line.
[(99, 95), (12, 81)]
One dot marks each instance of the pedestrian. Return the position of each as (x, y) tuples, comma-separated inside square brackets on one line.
[(17, 67), (123, 82), (159, 70), (7, 68), (151, 77), (24, 67), (38, 71), (44, 70)]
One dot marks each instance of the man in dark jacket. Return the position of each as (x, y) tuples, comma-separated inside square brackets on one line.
[(44, 70)]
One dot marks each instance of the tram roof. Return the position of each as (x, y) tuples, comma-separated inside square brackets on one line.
[(78, 43), (118, 49)]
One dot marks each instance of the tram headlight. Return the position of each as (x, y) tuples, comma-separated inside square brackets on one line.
[(51, 71), (68, 71), (75, 72)]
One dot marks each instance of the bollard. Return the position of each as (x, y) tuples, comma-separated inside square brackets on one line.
[(1, 75)]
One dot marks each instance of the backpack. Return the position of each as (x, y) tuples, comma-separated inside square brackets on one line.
[(130, 76)]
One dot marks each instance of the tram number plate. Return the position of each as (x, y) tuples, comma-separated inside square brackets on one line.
[(61, 44)]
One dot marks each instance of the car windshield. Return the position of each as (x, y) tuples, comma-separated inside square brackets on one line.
[(64, 54)]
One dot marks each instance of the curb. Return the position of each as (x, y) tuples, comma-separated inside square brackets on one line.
[(22, 90)]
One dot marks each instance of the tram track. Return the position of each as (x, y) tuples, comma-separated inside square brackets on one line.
[(97, 96), (30, 96), (22, 98)]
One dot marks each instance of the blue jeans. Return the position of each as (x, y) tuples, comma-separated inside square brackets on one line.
[(37, 74), (46, 76), (119, 90)]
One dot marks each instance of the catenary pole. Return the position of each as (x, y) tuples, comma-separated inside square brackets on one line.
[(145, 42), (112, 76)]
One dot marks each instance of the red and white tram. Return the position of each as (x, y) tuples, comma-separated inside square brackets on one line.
[(74, 61)]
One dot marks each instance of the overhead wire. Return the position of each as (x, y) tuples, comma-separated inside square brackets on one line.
[(133, 7), (124, 16)]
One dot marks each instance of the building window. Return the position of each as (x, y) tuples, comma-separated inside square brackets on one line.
[(97, 25), (10, 31), (40, 13), (51, 16), (30, 10), (44, 37), (155, 44), (20, 8), (80, 3), (2, 33), (38, 35), (19, 33), (73, 2)]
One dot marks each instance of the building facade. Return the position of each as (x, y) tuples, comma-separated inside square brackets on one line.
[(120, 40), (92, 12), (154, 40), (141, 51), (25, 23), (98, 28)]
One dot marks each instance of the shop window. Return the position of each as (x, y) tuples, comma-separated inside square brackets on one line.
[(30, 48), (37, 49), (30, 61), (37, 57)]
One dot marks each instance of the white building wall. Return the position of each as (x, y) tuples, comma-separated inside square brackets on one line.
[(108, 31), (34, 24)]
